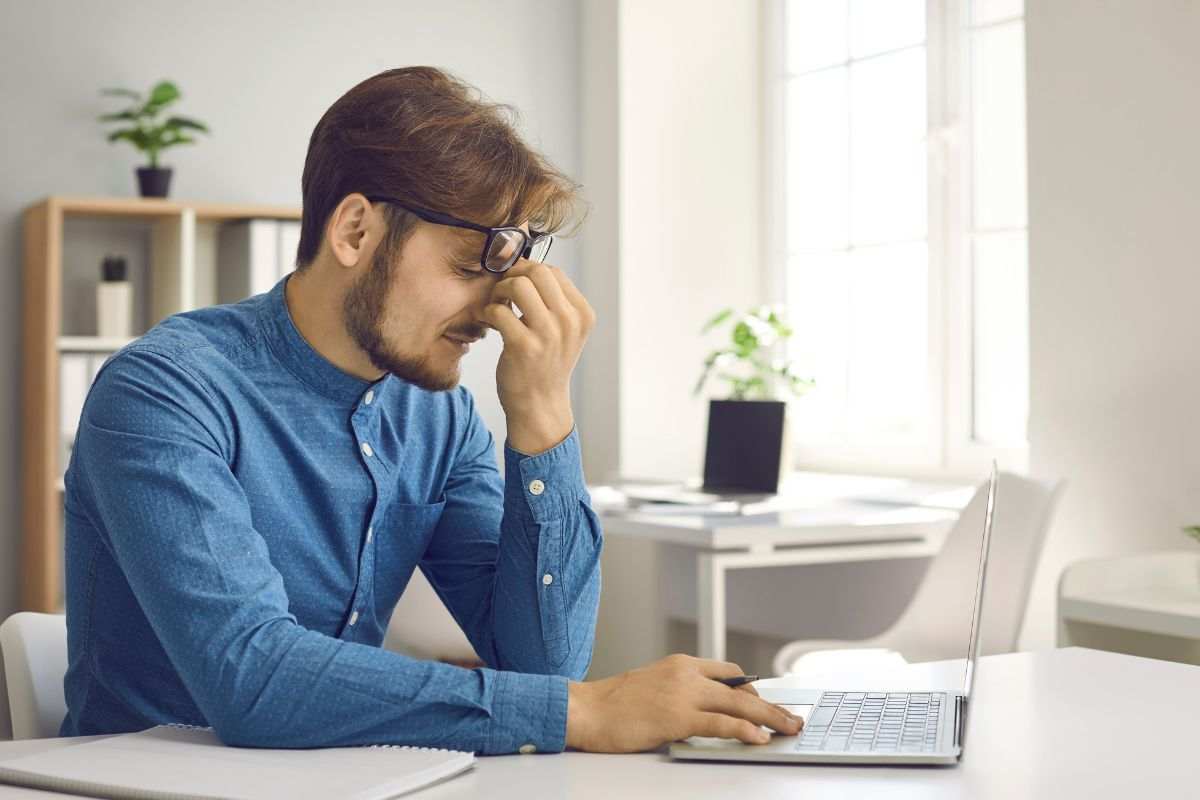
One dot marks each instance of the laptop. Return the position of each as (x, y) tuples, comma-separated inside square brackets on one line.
[(743, 453), (865, 726)]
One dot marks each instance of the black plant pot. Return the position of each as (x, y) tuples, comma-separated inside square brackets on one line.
[(745, 445), (154, 181)]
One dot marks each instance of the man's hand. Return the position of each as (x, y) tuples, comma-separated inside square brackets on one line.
[(671, 699), (533, 376)]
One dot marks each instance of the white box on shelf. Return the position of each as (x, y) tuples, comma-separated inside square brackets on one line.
[(289, 243), (73, 383), (247, 259), (95, 362)]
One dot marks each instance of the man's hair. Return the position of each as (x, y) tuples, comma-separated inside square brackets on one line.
[(427, 138)]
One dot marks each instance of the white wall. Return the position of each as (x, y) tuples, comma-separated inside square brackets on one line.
[(672, 147), (1114, 199), (260, 74), (670, 153)]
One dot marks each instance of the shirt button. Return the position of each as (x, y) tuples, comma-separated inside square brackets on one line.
[(367, 451), (370, 533), (547, 579), (536, 487), (354, 618), (370, 397), (526, 749)]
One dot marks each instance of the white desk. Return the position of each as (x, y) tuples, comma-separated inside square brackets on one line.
[(833, 519), (1042, 725), (1157, 592)]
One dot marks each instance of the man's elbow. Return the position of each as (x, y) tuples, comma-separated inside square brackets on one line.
[(239, 729)]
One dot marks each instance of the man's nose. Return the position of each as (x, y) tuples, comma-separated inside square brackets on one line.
[(481, 303)]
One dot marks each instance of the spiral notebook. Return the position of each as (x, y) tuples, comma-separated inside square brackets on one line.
[(184, 763)]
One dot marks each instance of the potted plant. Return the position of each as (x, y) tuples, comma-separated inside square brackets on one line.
[(149, 135), (747, 433)]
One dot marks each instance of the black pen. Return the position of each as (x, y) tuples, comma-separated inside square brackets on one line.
[(737, 681)]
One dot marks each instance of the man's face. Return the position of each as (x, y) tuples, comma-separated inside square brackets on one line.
[(412, 311)]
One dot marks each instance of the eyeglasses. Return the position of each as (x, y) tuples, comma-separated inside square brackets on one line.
[(502, 247)]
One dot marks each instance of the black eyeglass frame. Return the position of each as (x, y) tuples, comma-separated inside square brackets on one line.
[(530, 239)]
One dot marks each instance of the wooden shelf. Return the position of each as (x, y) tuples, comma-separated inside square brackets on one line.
[(91, 344), (151, 207), (175, 232)]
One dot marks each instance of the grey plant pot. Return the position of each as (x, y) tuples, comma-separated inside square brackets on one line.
[(154, 181)]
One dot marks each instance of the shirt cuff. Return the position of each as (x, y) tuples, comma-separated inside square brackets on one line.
[(529, 714), (547, 485)]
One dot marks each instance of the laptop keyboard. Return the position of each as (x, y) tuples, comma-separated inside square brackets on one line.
[(874, 722)]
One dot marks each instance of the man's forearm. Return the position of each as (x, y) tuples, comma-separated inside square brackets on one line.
[(548, 569), (540, 428)]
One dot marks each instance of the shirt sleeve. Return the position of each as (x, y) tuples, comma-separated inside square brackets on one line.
[(153, 449), (517, 560)]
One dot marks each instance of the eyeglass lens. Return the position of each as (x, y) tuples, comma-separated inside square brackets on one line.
[(504, 249), (507, 246)]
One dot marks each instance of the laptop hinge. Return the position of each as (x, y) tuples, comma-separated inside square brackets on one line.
[(960, 719)]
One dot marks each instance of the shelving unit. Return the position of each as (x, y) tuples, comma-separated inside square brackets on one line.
[(180, 239)]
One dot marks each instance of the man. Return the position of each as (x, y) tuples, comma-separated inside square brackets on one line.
[(252, 485)]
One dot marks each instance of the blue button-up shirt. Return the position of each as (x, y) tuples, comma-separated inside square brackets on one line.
[(242, 517)]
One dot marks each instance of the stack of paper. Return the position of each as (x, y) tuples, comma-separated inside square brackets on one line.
[(184, 763)]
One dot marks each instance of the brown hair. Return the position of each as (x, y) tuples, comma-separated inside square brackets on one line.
[(424, 136)]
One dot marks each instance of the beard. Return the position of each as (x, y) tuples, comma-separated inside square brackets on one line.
[(363, 312)]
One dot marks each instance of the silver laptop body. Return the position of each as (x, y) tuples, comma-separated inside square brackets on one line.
[(865, 726)]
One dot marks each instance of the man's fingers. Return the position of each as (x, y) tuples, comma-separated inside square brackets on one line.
[(521, 290), (548, 286), (575, 297), (718, 669), (501, 317), (726, 727), (752, 708), (748, 688)]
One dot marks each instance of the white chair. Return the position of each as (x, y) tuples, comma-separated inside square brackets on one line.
[(936, 623), (34, 649)]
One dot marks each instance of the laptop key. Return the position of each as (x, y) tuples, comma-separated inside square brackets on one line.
[(820, 716)]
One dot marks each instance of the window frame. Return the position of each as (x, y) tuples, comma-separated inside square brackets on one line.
[(951, 450)]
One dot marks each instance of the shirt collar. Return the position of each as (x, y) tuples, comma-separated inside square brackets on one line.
[(295, 353)]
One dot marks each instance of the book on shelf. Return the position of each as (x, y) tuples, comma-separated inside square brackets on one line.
[(252, 255), (76, 374), (74, 379)]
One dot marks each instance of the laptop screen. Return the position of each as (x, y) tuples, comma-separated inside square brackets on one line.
[(977, 610)]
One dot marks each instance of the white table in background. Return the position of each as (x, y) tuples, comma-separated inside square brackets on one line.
[(1051, 725), (1156, 593), (832, 519)]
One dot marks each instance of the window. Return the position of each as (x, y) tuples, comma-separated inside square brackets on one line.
[(896, 159)]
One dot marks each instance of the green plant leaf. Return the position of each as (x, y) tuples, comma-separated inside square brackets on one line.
[(164, 92), (185, 122), (720, 317), (120, 116), (130, 93), (135, 136)]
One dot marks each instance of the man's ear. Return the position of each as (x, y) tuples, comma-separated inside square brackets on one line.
[(353, 229)]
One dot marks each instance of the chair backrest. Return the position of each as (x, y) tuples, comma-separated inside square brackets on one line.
[(936, 624), (34, 648), (5, 717)]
